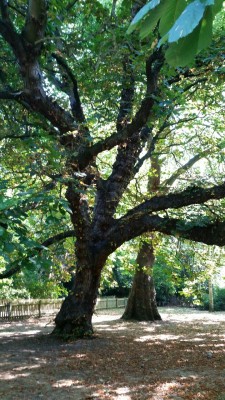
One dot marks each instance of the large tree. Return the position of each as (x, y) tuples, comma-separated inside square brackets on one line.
[(74, 85)]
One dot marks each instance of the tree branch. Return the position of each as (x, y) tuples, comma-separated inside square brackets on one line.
[(169, 182), (127, 93), (210, 233), (74, 96), (17, 266), (35, 24), (153, 66), (191, 195)]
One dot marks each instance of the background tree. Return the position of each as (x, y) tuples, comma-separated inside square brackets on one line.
[(80, 87)]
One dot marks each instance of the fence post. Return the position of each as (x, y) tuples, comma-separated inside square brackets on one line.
[(9, 307), (39, 309)]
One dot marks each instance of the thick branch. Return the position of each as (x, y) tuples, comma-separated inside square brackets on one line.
[(87, 154), (191, 195), (127, 93), (153, 66), (211, 233), (51, 110), (12, 38), (34, 28)]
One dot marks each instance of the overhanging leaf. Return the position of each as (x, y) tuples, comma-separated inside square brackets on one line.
[(183, 52), (172, 10), (151, 20), (142, 13), (187, 22), (205, 35)]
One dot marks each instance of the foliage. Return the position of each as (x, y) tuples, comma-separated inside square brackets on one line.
[(119, 270), (185, 25), (35, 282), (219, 299)]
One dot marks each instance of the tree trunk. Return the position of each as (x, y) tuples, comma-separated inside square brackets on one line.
[(211, 299), (74, 319), (141, 305)]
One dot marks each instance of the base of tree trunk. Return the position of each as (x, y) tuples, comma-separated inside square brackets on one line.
[(141, 305), (74, 320), (72, 330)]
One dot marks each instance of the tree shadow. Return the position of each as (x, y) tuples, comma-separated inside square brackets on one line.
[(125, 360)]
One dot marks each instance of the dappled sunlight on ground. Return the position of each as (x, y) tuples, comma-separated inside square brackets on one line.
[(180, 358)]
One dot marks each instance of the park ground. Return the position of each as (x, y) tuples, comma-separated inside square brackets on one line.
[(181, 357)]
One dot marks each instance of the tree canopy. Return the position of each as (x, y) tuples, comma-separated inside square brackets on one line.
[(86, 109)]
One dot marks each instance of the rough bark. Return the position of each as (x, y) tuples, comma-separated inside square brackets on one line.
[(141, 305), (75, 316)]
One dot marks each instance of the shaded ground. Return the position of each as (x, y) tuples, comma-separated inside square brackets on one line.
[(181, 357)]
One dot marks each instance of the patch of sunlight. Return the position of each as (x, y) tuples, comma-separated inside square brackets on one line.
[(150, 329), (26, 367), (118, 394), (157, 337), (67, 383), (122, 390), (102, 326), (7, 376), (166, 388), (113, 328), (102, 318), (10, 333), (81, 355), (193, 340)]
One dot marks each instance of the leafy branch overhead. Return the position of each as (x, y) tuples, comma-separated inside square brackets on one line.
[(185, 26)]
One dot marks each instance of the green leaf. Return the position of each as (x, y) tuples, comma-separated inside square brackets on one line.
[(187, 22), (217, 6), (2, 231), (151, 20), (183, 52), (205, 35), (142, 13), (9, 247), (172, 10)]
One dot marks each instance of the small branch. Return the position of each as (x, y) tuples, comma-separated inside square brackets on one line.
[(18, 263), (71, 4), (168, 182), (74, 96), (127, 93)]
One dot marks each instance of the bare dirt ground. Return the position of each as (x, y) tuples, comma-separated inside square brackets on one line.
[(182, 357)]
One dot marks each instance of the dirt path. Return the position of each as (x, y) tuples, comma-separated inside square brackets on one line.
[(182, 357)]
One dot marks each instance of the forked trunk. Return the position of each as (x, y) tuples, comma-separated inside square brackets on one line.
[(141, 305)]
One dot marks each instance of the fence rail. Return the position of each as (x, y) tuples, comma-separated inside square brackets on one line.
[(19, 309)]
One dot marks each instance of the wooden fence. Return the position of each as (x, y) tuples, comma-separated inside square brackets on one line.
[(19, 309)]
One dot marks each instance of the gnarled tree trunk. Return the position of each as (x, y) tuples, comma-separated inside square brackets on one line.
[(141, 305), (75, 316)]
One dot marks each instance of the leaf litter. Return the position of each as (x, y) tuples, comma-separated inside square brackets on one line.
[(181, 357)]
